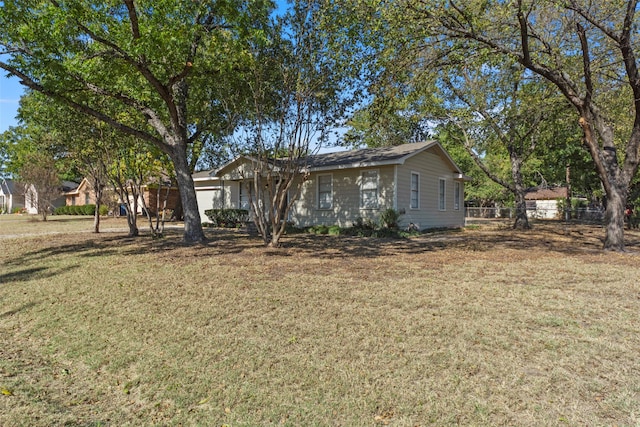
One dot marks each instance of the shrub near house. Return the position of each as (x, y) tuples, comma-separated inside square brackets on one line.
[(80, 210), (231, 218)]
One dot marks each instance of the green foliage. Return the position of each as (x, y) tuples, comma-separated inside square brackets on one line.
[(390, 218), (318, 229), (89, 209), (229, 218), (334, 230), (146, 69)]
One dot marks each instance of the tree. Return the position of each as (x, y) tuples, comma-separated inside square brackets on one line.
[(41, 182), (298, 98), (500, 111), (145, 68), (586, 50), (80, 144)]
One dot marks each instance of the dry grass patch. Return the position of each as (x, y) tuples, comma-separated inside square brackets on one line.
[(482, 327)]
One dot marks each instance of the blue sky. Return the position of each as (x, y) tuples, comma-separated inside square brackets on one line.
[(10, 92)]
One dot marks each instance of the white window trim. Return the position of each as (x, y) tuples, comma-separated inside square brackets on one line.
[(241, 186), (411, 190), (457, 190), (444, 194), (377, 206), (330, 175)]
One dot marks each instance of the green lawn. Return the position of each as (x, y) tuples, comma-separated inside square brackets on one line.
[(476, 327)]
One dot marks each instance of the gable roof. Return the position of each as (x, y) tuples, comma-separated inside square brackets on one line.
[(70, 190), (368, 157), (7, 186), (364, 157)]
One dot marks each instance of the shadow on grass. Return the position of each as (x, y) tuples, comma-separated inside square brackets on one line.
[(18, 310), (551, 237), (87, 245), (27, 274)]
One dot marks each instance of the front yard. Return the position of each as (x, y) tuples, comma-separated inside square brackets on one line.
[(474, 327)]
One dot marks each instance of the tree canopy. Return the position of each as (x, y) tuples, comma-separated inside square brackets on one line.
[(159, 71)]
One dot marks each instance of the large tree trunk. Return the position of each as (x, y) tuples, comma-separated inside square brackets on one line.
[(614, 179), (614, 217), (522, 221), (193, 232)]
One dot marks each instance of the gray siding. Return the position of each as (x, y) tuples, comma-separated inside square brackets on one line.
[(346, 198), (394, 191), (431, 168)]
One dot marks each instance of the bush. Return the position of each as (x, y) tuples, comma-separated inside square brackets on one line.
[(318, 229), (390, 219), (227, 217), (335, 230), (89, 210), (80, 210)]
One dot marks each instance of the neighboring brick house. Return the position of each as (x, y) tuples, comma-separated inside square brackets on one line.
[(84, 195), (150, 194)]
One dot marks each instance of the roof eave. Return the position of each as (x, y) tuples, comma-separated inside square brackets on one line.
[(356, 165)]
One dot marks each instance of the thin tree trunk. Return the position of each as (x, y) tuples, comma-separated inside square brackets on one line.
[(522, 221), (96, 214), (96, 218)]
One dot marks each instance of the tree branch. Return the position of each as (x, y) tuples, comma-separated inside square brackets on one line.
[(30, 83), (133, 17), (586, 63)]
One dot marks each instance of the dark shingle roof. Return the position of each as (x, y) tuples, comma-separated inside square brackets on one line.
[(366, 156), (8, 186)]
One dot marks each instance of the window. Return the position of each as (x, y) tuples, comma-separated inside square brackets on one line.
[(73, 200), (244, 192), (415, 191), (456, 196), (325, 192), (369, 190), (86, 198), (441, 194)]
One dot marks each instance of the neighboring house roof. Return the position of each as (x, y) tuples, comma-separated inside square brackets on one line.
[(69, 186), (365, 157), (8, 186), (546, 193), (75, 189)]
